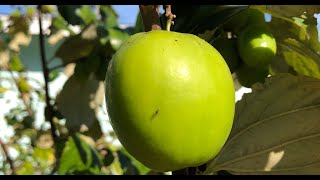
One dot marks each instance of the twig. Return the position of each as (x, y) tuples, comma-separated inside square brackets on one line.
[(49, 111), (150, 17), (28, 108), (170, 17), (5, 151), (45, 69)]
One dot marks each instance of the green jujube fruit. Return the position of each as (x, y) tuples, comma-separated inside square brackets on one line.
[(170, 99)]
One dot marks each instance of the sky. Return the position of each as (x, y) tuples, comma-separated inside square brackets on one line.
[(127, 13)]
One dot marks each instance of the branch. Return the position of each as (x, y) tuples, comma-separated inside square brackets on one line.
[(5, 151), (150, 17), (170, 17), (49, 111)]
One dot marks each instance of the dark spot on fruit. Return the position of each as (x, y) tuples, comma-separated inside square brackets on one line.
[(176, 40), (155, 114)]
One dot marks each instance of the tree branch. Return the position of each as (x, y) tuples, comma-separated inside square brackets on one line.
[(170, 17), (9, 160), (150, 17), (49, 111)]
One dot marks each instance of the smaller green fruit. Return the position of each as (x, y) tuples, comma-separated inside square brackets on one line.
[(256, 45), (228, 49), (247, 76)]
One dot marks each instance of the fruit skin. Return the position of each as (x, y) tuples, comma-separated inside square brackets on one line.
[(170, 99), (256, 45), (247, 76), (229, 51)]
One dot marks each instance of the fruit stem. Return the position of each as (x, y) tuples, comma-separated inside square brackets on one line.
[(170, 17)]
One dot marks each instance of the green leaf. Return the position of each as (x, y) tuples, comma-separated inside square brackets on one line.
[(81, 45), (279, 65), (68, 12), (126, 164), (293, 10), (16, 64), (3, 89), (18, 24), (108, 159), (312, 31), (139, 27), (44, 156), (23, 85), (303, 60), (86, 14), (80, 106), (196, 19), (58, 23), (1, 25), (86, 66), (53, 75), (16, 13), (142, 170), (79, 158), (275, 129), (100, 74), (47, 9), (26, 168), (30, 11), (117, 37), (297, 45), (108, 16)]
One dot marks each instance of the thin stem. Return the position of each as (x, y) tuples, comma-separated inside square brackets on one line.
[(49, 112), (170, 17), (46, 77), (24, 100), (5, 151), (150, 17)]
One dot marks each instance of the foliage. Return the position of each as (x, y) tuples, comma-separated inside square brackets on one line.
[(275, 126)]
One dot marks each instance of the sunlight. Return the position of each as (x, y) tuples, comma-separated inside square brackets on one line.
[(264, 44), (273, 160)]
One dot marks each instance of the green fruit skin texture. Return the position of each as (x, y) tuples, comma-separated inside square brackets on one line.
[(247, 76), (229, 51), (256, 45), (170, 99)]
